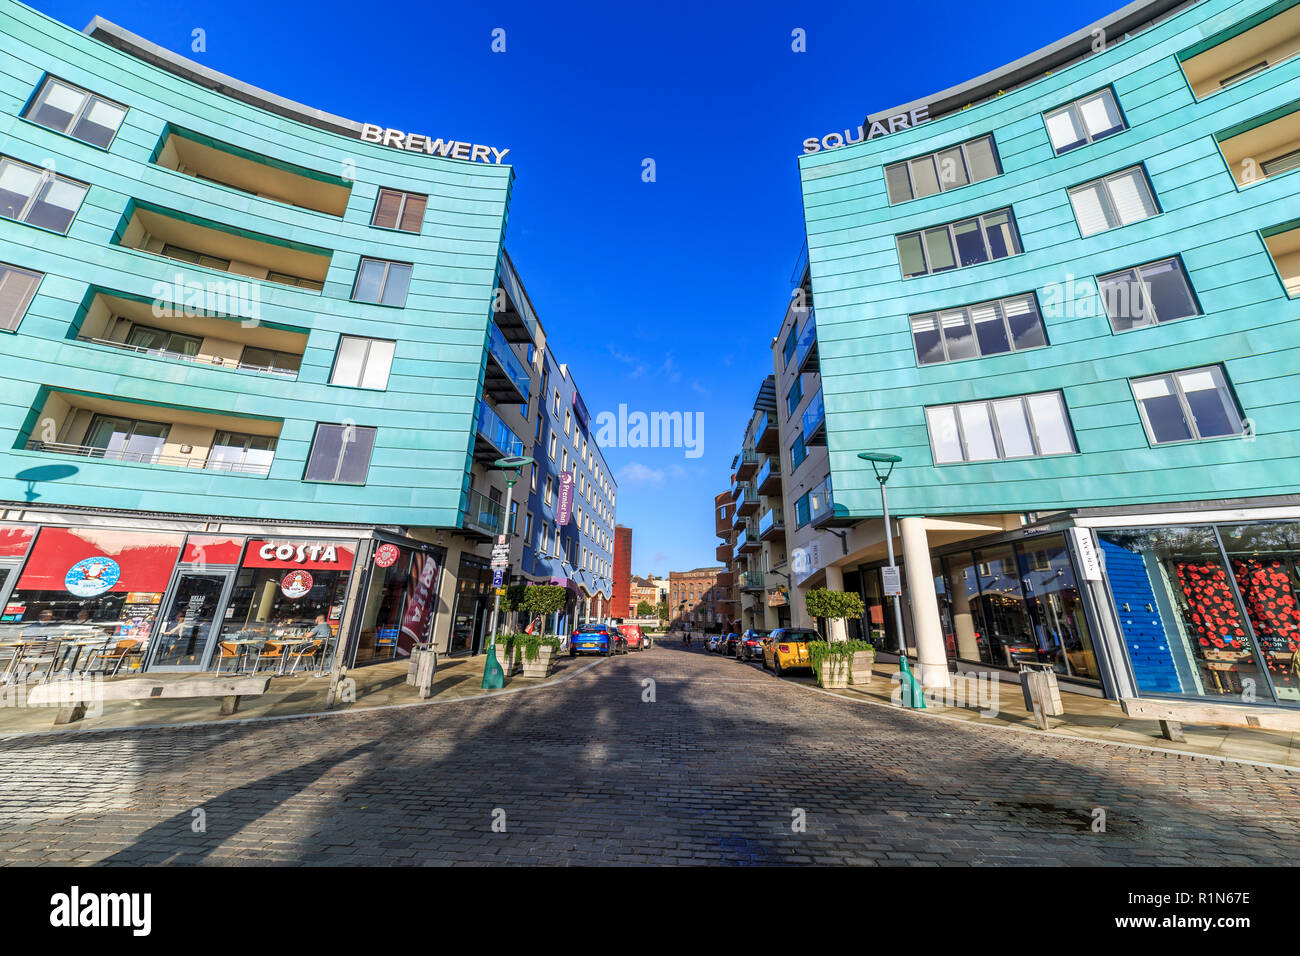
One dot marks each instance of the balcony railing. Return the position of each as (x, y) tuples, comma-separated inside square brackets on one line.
[(746, 463), (805, 353), (507, 380), (814, 421), (747, 500), (772, 524), (504, 443), (216, 360), (483, 514), (766, 435), (821, 507), (769, 477), (149, 458), (751, 580), (747, 540)]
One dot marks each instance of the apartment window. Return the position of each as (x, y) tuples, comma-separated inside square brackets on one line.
[(794, 396), (797, 453), (1187, 406), (17, 289), (514, 515), (554, 445), (959, 165), (144, 338), (382, 282), (37, 196), (557, 401), (1147, 295), (80, 114), (989, 328), (559, 549), (528, 526), (362, 363), (340, 453), (564, 460), (125, 439), (568, 422), (1115, 200), (532, 476), (953, 246), (284, 278), (803, 510), (232, 451), (1021, 426), (270, 360), (787, 350), (550, 491), (181, 254), (1086, 120), (399, 210)]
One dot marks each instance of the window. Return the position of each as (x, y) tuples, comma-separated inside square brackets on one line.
[(949, 168), (559, 550), (550, 490), (17, 289), (797, 453), (181, 254), (1021, 426), (966, 243), (37, 196), (283, 278), (564, 460), (1281, 164), (787, 350), (528, 527), (1187, 406), (1153, 293), (989, 328), (382, 282), (270, 360), (232, 451), (802, 511), (557, 401), (340, 453), (794, 396), (125, 439), (146, 339), (1084, 121), (568, 421), (1116, 200), (399, 210), (69, 109), (551, 451), (362, 363)]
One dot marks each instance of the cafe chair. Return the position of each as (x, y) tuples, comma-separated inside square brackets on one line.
[(109, 658), (307, 652), (272, 651), (227, 651), (386, 644), (37, 656)]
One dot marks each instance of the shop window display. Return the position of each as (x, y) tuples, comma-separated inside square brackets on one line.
[(1264, 567)]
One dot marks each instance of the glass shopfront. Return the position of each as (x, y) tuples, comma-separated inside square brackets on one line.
[(1209, 611), (473, 613), (401, 602)]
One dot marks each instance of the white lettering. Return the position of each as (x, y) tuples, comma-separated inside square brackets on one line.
[(372, 134), (812, 144), (393, 137), (266, 552)]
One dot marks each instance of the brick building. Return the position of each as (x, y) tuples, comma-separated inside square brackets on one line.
[(699, 598), (619, 605)]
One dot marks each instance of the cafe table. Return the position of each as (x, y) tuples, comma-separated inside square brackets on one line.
[(285, 643)]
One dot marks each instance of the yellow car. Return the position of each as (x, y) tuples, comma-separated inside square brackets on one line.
[(787, 647)]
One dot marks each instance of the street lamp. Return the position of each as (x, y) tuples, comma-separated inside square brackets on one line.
[(494, 677), (878, 460)]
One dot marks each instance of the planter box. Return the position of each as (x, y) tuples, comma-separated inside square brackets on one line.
[(544, 664), (513, 665), (860, 670), (835, 673)]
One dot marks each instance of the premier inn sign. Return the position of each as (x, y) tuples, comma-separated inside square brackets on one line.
[(879, 128), (418, 143)]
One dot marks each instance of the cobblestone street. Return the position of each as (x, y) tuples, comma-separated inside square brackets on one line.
[(721, 767)]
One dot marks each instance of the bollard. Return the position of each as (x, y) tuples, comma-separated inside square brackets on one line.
[(913, 693)]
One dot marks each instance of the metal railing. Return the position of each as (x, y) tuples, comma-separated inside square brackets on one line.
[(774, 519), (483, 513), (491, 427), (771, 468), (500, 350), (197, 359), (148, 458), (814, 416), (807, 341), (751, 580)]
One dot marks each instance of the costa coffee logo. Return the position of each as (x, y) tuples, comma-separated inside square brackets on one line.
[(323, 553)]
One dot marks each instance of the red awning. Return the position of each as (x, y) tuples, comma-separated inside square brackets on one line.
[(14, 539), (145, 558)]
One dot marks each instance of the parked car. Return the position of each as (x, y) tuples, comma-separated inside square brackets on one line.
[(635, 639), (730, 643), (787, 648), (750, 646), (602, 639), (714, 639)]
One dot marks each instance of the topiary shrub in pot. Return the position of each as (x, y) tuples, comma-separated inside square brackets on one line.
[(838, 661), (538, 654), (507, 651)]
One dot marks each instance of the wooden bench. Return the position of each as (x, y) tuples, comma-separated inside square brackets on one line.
[(71, 696), (1172, 714)]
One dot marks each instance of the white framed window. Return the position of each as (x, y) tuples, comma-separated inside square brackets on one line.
[(382, 282), (960, 165), (1084, 121), (1115, 200), (17, 289), (1020, 426), (554, 446), (550, 491), (362, 363), (340, 454), (83, 115), (395, 209), (1147, 295), (543, 538), (1189, 405), (958, 244), (37, 196), (568, 421), (988, 328)]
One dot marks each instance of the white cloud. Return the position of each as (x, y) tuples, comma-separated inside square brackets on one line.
[(637, 473)]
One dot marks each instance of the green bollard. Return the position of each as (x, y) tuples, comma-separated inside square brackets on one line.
[(913, 693), (494, 678)]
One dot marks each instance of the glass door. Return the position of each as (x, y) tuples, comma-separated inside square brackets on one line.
[(184, 633)]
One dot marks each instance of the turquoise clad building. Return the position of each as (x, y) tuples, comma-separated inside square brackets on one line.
[(258, 360), (1065, 295)]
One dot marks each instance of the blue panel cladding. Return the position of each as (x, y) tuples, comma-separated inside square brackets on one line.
[(1141, 625)]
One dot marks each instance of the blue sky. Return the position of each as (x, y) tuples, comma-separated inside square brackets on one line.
[(662, 295)]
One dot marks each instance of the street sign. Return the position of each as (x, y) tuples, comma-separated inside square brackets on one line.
[(890, 581), (501, 592), (498, 577)]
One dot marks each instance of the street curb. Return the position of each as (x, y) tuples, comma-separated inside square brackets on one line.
[(66, 734)]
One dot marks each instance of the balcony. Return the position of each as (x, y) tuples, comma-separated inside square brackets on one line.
[(771, 526), (505, 378), (814, 421), (1257, 151), (516, 317), (129, 324), (746, 464), (1229, 57), (751, 580), (213, 245), (747, 541), (769, 477), (1283, 243), (493, 437), (723, 553), (805, 353), (483, 515), (111, 430), (822, 510), (203, 157), (767, 437), (747, 502)]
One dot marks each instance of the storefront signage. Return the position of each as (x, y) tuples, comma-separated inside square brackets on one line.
[(322, 553), (91, 577), (564, 510), (296, 584), (890, 581), (1086, 548), (879, 128), (386, 555), (417, 143)]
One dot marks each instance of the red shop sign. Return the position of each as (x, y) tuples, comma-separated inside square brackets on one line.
[(14, 539), (146, 558), (309, 555), (386, 555)]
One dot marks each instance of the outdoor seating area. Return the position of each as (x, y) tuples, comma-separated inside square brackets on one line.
[(40, 653)]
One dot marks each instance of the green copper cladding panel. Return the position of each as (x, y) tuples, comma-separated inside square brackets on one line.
[(874, 390), (425, 417)]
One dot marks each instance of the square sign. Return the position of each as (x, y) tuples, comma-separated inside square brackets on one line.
[(890, 581), (498, 577)]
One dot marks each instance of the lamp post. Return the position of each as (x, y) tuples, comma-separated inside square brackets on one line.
[(513, 466), (877, 460)]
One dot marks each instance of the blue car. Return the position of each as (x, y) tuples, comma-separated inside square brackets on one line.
[(602, 639)]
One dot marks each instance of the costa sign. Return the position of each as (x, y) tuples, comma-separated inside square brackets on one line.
[(316, 553), (419, 143), (309, 555), (884, 127)]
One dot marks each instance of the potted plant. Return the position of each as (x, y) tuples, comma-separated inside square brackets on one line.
[(538, 653), (838, 661), (507, 651)]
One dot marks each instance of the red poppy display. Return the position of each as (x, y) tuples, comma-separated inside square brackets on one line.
[(1211, 607), (1266, 588)]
